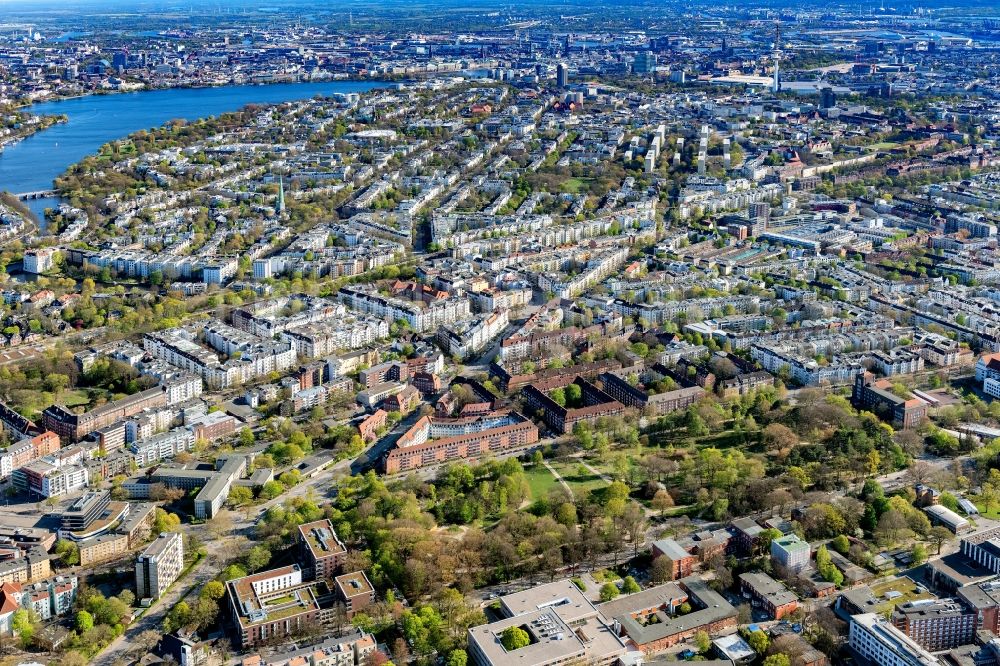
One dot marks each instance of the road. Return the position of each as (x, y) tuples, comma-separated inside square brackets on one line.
[(218, 552), (118, 650)]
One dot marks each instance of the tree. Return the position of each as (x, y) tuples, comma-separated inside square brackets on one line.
[(68, 552), (179, 616), (778, 660), (629, 586), (84, 621), (841, 544), (662, 501), (939, 534), (238, 496), (919, 553), (558, 396), (703, 642), (73, 658), (744, 614), (661, 570), (213, 589), (566, 514), (457, 658), (609, 591), (233, 571), (23, 624), (758, 640), (165, 522), (777, 437), (257, 558), (891, 527), (514, 638), (826, 568), (271, 489)]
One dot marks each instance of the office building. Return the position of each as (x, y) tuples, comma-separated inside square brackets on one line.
[(644, 63), (84, 511), (827, 98), (983, 548), (877, 396), (652, 621), (562, 75), (564, 627)]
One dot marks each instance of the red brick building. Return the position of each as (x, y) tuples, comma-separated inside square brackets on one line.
[(372, 424), (432, 441), (682, 562), (768, 594)]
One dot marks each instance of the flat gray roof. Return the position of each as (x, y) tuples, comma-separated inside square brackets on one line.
[(562, 596)]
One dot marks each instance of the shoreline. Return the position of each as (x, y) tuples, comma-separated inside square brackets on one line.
[(374, 82), (206, 86), (13, 141)]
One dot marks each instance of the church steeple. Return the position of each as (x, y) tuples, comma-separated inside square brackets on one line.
[(280, 207)]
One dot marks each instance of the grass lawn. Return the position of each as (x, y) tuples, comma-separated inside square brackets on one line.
[(574, 185), (582, 482), (905, 586), (993, 515), (75, 397), (541, 481)]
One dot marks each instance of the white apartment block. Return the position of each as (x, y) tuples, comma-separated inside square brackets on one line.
[(159, 565), (873, 638)]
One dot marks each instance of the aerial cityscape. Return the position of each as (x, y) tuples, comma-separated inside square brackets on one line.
[(600, 333)]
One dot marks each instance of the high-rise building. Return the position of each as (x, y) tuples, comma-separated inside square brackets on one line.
[(827, 98), (875, 640), (644, 62), (159, 565), (936, 624), (791, 552), (562, 75)]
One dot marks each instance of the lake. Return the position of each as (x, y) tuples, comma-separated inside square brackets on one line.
[(33, 164)]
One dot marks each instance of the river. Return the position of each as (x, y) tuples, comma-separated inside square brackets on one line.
[(31, 165)]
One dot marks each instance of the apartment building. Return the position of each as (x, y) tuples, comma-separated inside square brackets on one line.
[(159, 565), (355, 590), (791, 553), (433, 440), (681, 561), (936, 624), (73, 427), (876, 640), (769, 595), (322, 551), (596, 404), (271, 605), (421, 317)]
